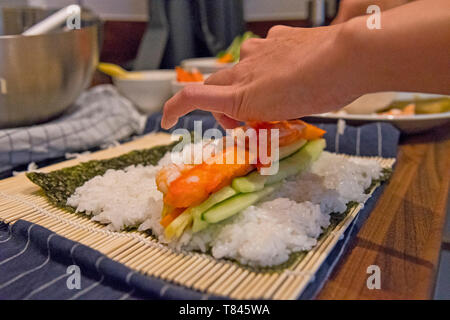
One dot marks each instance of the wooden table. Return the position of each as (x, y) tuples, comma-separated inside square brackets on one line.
[(403, 234)]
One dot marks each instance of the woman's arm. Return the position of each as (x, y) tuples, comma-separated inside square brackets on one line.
[(296, 72), (349, 9), (411, 51)]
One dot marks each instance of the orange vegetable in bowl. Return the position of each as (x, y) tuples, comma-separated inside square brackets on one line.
[(226, 58), (188, 76)]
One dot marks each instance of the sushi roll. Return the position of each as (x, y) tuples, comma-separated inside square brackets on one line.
[(196, 196)]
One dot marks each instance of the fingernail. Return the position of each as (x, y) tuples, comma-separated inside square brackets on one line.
[(167, 123), (164, 122)]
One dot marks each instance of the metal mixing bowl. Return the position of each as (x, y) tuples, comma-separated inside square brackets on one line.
[(41, 76)]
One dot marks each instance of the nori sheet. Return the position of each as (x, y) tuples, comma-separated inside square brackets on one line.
[(59, 185)]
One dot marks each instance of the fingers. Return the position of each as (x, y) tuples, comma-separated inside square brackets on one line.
[(339, 19), (225, 121), (249, 47), (278, 31), (205, 97), (221, 78)]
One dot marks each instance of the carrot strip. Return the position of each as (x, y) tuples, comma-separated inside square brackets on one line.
[(226, 58), (312, 132)]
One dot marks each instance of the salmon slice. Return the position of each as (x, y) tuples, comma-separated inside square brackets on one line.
[(194, 186)]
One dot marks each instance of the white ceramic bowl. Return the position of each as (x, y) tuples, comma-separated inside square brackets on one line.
[(178, 86), (205, 65), (149, 93)]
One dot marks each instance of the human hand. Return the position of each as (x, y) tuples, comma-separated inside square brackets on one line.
[(292, 73)]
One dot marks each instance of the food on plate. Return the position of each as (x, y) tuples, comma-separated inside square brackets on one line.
[(192, 75), (232, 53), (370, 103), (230, 211), (384, 104), (417, 106), (408, 110)]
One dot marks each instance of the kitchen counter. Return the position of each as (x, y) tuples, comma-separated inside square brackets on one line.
[(404, 232)]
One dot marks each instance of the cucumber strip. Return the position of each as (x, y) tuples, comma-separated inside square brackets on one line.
[(313, 150), (254, 181), (215, 198), (289, 150), (234, 205), (199, 224), (250, 183), (299, 161), (289, 166), (228, 201)]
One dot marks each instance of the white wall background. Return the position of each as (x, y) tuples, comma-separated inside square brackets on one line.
[(136, 10), (262, 10)]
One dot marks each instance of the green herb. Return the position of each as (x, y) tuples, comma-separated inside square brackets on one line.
[(235, 47)]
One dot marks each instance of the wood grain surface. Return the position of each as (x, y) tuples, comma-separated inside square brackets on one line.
[(404, 232)]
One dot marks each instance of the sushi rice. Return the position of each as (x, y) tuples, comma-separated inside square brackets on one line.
[(265, 234)]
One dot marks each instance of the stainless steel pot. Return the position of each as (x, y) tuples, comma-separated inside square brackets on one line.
[(41, 76)]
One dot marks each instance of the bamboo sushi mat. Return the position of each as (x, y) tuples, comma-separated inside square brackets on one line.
[(19, 199)]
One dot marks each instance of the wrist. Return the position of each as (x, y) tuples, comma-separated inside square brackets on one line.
[(361, 60), (408, 52)]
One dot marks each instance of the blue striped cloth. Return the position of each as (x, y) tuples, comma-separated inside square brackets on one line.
[(35, 263), (375, 139)]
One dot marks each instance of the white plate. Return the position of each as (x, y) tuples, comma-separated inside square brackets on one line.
[(407, 124), (205, 65)]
